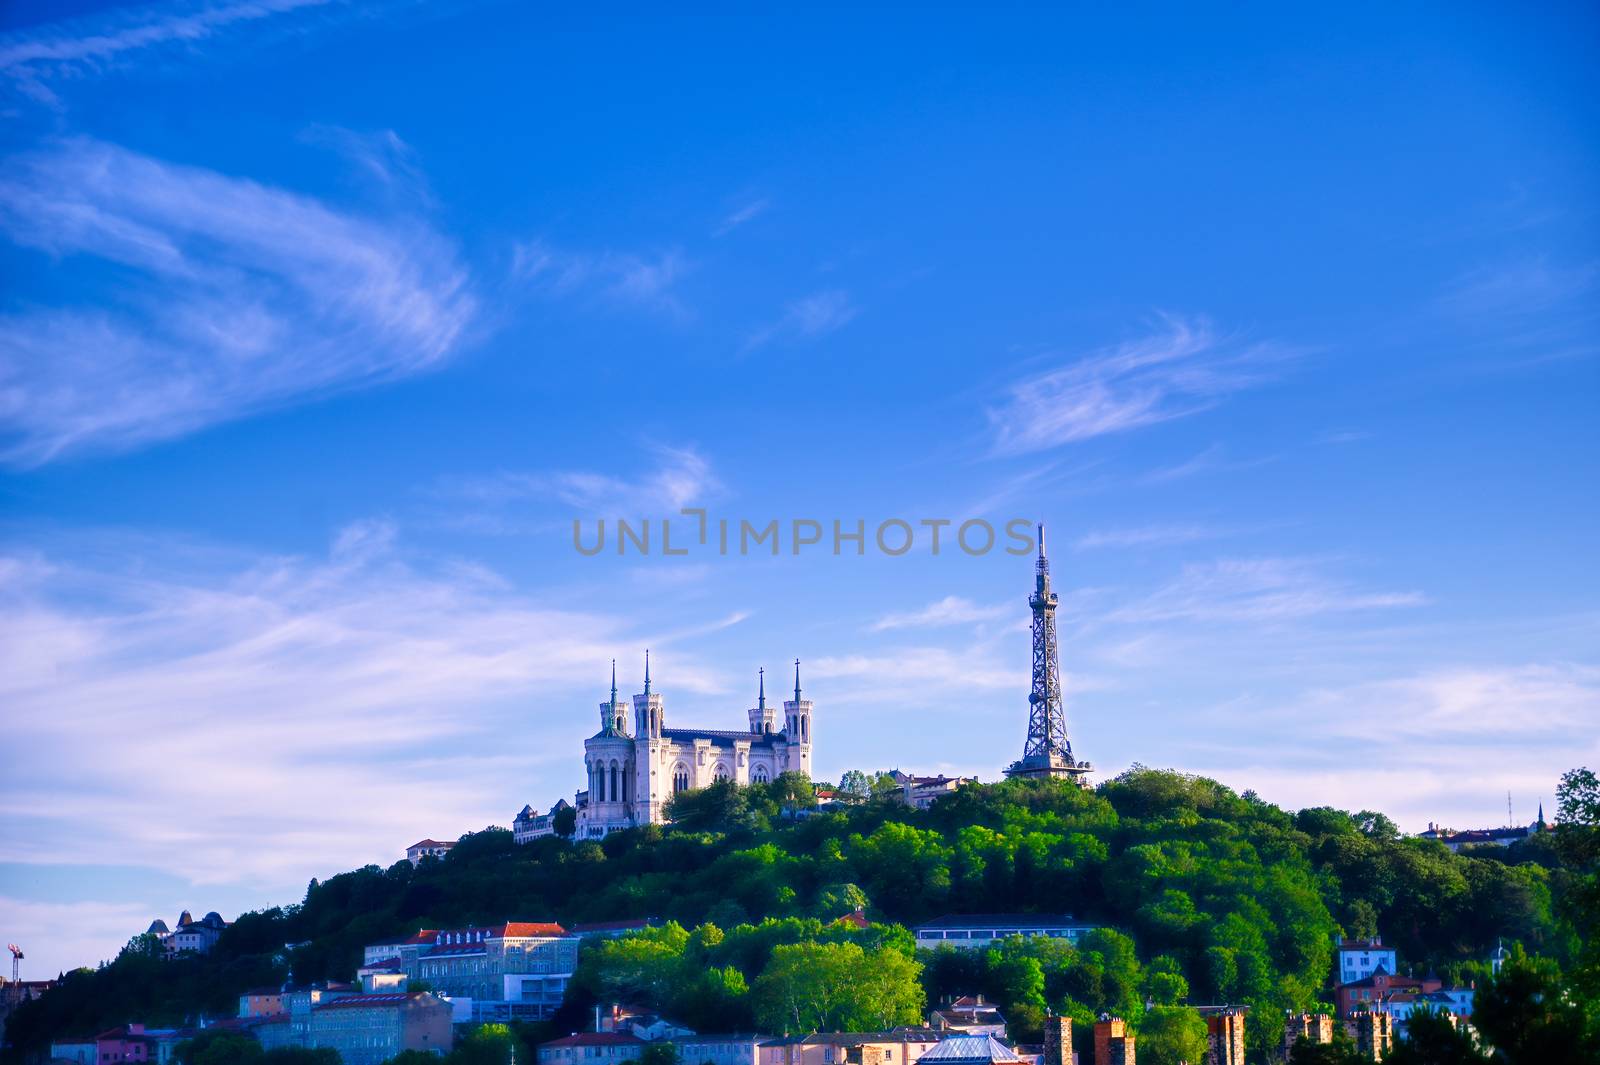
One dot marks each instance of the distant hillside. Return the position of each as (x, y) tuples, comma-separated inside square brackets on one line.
[(1208, 896)]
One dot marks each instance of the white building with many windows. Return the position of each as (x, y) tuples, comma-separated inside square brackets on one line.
[(980, 931), (633, 768)]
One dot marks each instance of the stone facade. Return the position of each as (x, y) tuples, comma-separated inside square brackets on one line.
[(1225, 1037), (634, 767), (1373, 1033), (1113, 1044), (1313, 1027)]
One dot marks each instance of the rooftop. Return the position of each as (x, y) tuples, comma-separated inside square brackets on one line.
[(970, 1048), (596, 1039), (1002, 920), (393, 998), (893, 1035)]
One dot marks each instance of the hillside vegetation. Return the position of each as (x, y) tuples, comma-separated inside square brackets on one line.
[(1204, 895)]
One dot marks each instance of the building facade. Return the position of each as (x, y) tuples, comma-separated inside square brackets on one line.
[(592, 1048), (513, 971), (898, 1046), (1113, 1043), (371, 1029), (980, 931), (1312, 1027), (427, 848), (721, 1049), (634, 765), (1225, 1035), (920, 793), (1373, 1034), (1357, 959), (530, 824), (262, 1002), (188, 936)]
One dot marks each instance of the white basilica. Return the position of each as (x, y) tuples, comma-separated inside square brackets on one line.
[(632, 772)]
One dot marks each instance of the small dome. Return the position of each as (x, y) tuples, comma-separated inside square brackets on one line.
[(157, 927), (184, 919), (214, 919)]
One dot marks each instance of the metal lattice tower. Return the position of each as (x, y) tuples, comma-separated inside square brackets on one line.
[(1047, 751)]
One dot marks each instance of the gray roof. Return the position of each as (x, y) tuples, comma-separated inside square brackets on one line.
[(970, 1048), (722, 737)]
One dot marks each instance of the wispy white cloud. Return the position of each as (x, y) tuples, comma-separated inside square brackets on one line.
[(1147, 536), (951, 610), (1212, 460), (1522, 287), (739, 216), (71, 934), (1184, 368), (1254, 590), (680, 477), (1444, 744), (382, 157), (238, 297), (811, 316), (31, 56), (645, 280), (1537, 310), (229, 717)]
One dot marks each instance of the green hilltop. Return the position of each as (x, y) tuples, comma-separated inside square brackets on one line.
[(1201, 896)]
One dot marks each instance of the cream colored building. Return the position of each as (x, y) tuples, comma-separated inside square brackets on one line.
[(633, 768)]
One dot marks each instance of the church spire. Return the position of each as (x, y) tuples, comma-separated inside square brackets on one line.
[(613, 680), (761, 700), (647, 671), (797, 680)]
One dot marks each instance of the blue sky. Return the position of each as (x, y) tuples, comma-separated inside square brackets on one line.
[(323, 321)]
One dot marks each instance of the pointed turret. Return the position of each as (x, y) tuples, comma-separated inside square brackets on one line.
[(761, 716), (648, 713), (613, 712)]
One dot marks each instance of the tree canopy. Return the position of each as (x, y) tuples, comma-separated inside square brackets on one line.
[(1201, 894)]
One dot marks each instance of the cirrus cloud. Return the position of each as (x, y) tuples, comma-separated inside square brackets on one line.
[(207, 297)]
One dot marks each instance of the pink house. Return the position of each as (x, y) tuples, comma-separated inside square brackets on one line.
[(128, 1043)]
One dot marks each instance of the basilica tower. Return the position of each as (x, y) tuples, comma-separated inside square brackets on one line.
[(797, 728)]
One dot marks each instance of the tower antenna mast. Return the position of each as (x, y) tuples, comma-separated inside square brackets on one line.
[(1047, 751)]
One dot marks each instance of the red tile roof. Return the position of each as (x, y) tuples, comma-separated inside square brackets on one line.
[(513, 929)]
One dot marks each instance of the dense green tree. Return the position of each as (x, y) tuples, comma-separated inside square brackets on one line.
[(301, 1056), (855, 784), (1529, 1014), (1433, 1039), (1213, 896), (1171, 1035), (220, 1048), (811, 987)]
